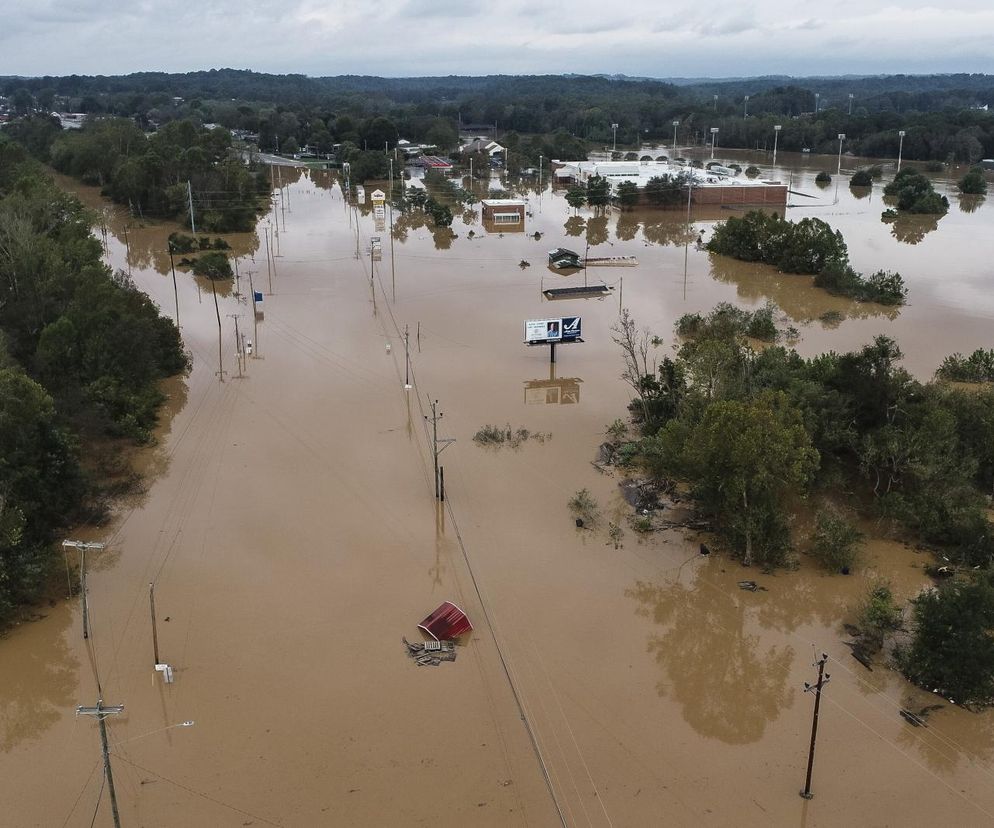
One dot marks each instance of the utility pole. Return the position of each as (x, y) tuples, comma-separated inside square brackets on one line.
[(255, 318), (155, 632), (172, 266), (435, 417), (816, 689), (189, 196), (238, 343), (407, 359), (82, 547), (127, 249), (269, 266), (238, 278), (102, 712), (217, 311)]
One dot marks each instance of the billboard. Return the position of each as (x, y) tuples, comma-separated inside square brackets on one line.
[(557, 329)]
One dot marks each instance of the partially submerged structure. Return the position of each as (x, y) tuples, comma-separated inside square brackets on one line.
[(501, 213), (446, 622), (717, 186), (561, 258)]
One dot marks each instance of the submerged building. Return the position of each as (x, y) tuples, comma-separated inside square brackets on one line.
[(716, 186)]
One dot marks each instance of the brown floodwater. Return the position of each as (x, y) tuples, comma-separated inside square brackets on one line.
[(290, 528)]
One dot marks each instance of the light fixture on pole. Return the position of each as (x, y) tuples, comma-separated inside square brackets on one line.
[(614, 144), (714, 137), (850, 103), (900, 147), (715, 103), (842, 137), (817, 96), (675, 125), (745, 113), (540, 175), (776, 137)]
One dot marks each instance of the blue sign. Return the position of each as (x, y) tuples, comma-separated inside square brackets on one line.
[(570, 328), (258, 296)]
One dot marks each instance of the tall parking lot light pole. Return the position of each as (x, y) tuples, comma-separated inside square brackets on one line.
[(900, 148), (675, 125), (745, 112), (776, 137), (842, 137), (614, 143), (714, 138)]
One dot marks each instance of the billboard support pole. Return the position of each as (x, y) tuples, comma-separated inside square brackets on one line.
[(552, 353)]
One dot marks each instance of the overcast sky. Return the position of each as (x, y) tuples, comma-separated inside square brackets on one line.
[(721, 38)]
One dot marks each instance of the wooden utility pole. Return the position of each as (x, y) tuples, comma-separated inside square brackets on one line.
[(269, 267), (238, 343), (435, 417), (82, 547), (102, 712), (155, 632), (217, 311), (407, 359), (172, 267), (823, 679), (189, 196), (255, 318)]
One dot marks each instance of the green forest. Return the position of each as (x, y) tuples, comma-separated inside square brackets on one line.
[(759, 436), (938, 113), (82, 353)]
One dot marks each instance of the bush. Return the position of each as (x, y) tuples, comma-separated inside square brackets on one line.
[(878, 615), (876, 172), (213, 265), (978, 367), (752, 171), (952, 648), (861, 178), (973, 183), (583, 506), (883, 287), (915, 194), (823, 178), (835, 541)]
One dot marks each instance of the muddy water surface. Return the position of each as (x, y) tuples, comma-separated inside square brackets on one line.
[(292, 535)]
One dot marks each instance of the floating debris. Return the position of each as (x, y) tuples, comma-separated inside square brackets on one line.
[(751, 586), (430, 653)]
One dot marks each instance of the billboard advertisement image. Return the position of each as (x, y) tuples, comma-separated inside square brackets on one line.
[(559, 329)]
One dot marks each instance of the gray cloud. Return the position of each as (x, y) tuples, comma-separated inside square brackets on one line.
[(404, 37)]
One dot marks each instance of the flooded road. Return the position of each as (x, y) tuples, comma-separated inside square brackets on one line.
[(290, 529)]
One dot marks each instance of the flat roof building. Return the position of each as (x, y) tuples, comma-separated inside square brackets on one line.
[(718, 185)]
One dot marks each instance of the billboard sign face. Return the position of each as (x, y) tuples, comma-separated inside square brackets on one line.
[(559, 329)]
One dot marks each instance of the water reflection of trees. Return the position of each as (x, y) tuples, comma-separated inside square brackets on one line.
[(597, 230), (729, 686), (970, 203), (911, 229), (627, 227), (574, 226), (412, 219), (669, 233), (443, 237), (41, 688), (795, 295)]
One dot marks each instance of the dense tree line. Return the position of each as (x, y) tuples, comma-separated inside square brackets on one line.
[(757, 435), (151, 173), (808, 246), (81, 355), (936, 111)]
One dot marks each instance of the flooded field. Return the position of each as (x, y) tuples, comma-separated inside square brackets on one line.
[(291, 531)]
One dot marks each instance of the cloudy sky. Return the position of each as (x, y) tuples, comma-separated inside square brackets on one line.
[(721, 38)]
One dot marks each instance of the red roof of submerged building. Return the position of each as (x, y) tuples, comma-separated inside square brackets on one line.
[(446, 622)]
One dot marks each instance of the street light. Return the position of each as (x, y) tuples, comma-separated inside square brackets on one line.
[(776, 137), (746, 110), (900, 146), (850, 103), (614, 145), (675, 125), (817, 96), (842, 137), (714, 137)]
